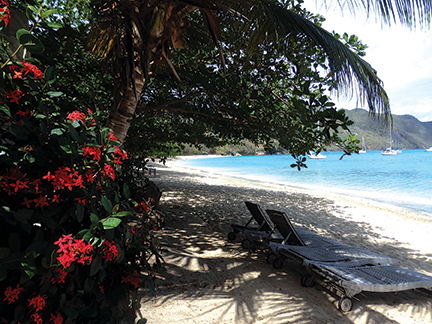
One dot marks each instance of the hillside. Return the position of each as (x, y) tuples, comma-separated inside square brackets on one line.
[(412, 133)]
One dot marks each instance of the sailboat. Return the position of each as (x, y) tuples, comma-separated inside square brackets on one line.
[(389, 150), (363, 150), (316, 156)]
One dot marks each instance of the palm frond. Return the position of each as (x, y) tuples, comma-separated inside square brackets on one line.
[(352, 73)]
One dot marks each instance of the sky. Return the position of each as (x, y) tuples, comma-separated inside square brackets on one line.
[(402, 57)]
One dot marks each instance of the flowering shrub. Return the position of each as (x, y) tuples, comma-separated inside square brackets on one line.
[(72, 249)]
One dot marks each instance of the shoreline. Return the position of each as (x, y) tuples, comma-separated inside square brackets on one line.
[(175, 164), (212, 280)]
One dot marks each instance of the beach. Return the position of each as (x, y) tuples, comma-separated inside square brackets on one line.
[(212, 280)]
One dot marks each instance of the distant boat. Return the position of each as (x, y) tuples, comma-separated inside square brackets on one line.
[(389, 151), (315, 156), (429, 149), (363, 150)]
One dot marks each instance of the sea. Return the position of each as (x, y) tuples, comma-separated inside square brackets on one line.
[(404, 180)]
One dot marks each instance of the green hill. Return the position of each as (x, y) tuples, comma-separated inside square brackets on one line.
[(412, 133)]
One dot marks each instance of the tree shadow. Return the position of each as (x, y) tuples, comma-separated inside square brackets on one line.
[(211, 280)]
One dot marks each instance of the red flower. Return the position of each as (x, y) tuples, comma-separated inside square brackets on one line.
[(110, 250), (14, 95), (81, 201), (12, 294), (55, 199), (111, 137), (133, 279), (38, 302), (41, 201), (4, 12), (37, 74), (56, 319), (16, 74), (71, 251), (26, 202), (76, 115), (61, 276), (89, 176), (37, 318), (92, 152), (109, 171)]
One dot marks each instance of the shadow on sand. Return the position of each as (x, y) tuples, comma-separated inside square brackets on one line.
[(211, 280)]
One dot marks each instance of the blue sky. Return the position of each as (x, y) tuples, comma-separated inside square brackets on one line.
[(402, 57)]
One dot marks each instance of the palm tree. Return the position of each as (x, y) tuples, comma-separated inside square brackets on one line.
[(135, 35)]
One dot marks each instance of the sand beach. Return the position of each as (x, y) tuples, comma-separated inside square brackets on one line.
[(212, 280)]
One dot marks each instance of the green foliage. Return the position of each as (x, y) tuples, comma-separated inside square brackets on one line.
[(75, 244), (264, 96)]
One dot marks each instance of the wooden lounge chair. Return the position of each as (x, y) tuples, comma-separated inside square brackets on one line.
[(341, 268), (258, 228)]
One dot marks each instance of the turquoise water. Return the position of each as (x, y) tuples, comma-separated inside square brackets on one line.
[(404, 179)]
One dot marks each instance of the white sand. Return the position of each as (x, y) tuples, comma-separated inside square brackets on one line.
[(211, 280)]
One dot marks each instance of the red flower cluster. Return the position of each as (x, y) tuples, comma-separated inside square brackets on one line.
[(74, 115), (71, 250), (14, 95), (38, 302), (12, 294), (92, 152), (119, 155), (15, 180), (65, 177), (142, 206), (110, 250), (133, 279), (111, 137), (56, 319), (4, 11), (26, 68), (108, 171), (60, 276)]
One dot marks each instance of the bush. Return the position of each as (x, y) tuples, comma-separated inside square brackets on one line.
[(73, 247)]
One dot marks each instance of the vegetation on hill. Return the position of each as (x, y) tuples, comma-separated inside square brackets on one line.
[(408, 130)]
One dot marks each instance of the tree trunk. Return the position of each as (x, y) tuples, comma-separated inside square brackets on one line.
[(124, 108)]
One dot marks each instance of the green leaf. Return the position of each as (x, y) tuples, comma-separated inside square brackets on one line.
[(48, 13), (50, 74), (6, 110), (22, 215), (55, 94), (94, 219), (30, 15), (88, 284), (32, 8), (14, 241), (21, 32), (57, 131), (123, 214), (29, 269), (74, 134), (111, 222), (107, 204), (30, 42), (126, 190), (95, 266), (79, 212), (54, 25)]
